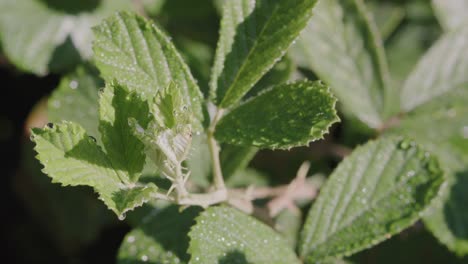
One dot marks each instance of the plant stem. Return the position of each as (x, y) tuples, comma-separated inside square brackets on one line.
[(204, 199), (214, 152), (180, 184)]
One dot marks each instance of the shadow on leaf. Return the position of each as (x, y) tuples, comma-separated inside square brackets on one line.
[(234, 257), (169, 228), (456, 207), (124, 149), (64, 57), (72, 7)]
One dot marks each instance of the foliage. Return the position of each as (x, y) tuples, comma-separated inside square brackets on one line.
[(178, 148)]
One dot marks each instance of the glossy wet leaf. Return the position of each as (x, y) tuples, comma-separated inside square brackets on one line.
[(376, 192), (286, 116), (442, 69), (135, 52), (342, 46), (451, 13), (254, 35), (40, 36), (226, 235)]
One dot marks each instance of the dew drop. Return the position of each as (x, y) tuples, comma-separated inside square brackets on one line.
[(73, 84), (122, 217), (404, 144), (451, 112), (56, 103), (432, 166), (465, 132), (94, 140)]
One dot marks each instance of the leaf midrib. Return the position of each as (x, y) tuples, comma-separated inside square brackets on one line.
[(374, 204), (249, 54)]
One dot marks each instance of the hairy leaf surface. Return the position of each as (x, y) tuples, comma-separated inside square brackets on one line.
[(71, 157), (254, 35), (124, 149), (449, 139), (376, 192), (160, 238), (137, 54), (226, 235), (342, 46), (286, 116)]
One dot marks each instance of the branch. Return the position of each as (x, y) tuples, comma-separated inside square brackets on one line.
[(214, 152), (283, 196)]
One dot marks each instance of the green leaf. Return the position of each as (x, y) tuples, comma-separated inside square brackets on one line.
[(447, 221), (235, 158), (76, 99), (449, 139), (280, 73), (286, 116), (161, 238), (199, 57), (443, 68), (153, 7), (137, 54), (71, 157), (254, 35), (225, 235), (71, 218), (451, 13), (116, 107), (40, 36), (342, 46), (388, 16), (247, 177), (441, 126), (376, 192), (168, 136), (288, 224), (199, 161), (407, 45)]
